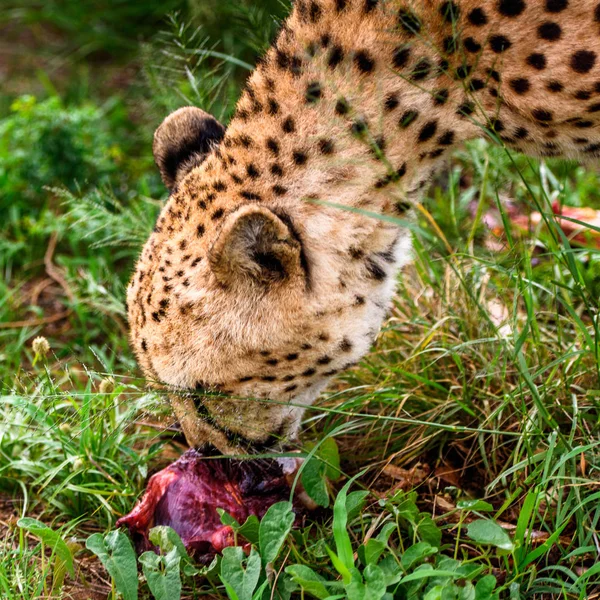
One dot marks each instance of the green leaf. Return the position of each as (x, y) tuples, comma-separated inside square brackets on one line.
[(274, 528), (490, 533), (51, 538), (329, 453), (478, 505), (485, 587), (250, 529), (118, 557), (240, 574), (340, 532), (428, 531), (371, 551), (163, 574), (391, 569), (308, 580), (355, 502), (314, 481), (375, 582), (416, 554)]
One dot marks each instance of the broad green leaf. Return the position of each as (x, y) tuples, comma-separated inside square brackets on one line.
[(391, 569), (118, 557), (355, 502), (340, 532), (240, 574), (371, 552), (250, 529), (416, 554), (375, 582), (167, 539), (488, 532), (339, 566), (329, 453), (308, 580), (51, 538), (484, 589), (163, 574), (478, 505), (314, 481), (274, 528), (435, 593), (428, 531)]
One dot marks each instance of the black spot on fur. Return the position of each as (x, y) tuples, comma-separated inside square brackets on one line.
[(511, 8), (273, 146), (326, 146), (279, 190), (313, 92), (288, 125), (336, 56), (314, 11), (252, 171), (540, 114), (427, 131), (555, 6), (277, 170), (583, 61), (299, 157), (583, 95), (291, 357), (250, 195), (447, 139), (537, 61), (476, 84), (340, 5), (477, 17), (391, 102), (520, 85), (345, 345), (272, 107), (555, 86), (409, 22), (309, 372), (324, 360), (549, 31), (342, 107), (449, 12), (500, 43), (217, 214), (200, 230), (466, 109), (407, 118), (422, 70), (359, 127), (401, 57), (370, 6), (472, 45), (364, 62), (440, 97)]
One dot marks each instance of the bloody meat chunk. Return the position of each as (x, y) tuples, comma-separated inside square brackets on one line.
[(186, 495)]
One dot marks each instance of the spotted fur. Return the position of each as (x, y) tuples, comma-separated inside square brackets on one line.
[(255, 282)]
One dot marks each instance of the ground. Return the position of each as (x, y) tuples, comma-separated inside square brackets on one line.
[(483, 385)]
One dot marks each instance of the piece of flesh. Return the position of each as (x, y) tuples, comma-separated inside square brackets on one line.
[(186, 495)]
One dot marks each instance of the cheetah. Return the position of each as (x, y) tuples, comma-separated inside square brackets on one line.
[(272, 265)]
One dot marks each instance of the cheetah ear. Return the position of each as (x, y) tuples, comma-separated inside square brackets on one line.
[(256, 246), (183, 141)]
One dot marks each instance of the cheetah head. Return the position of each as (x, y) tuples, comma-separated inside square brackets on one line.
[(245, 308)]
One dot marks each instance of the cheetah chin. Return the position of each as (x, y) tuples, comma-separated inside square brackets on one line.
[(272, 265)]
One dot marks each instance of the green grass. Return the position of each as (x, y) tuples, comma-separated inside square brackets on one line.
[(483, 385)]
